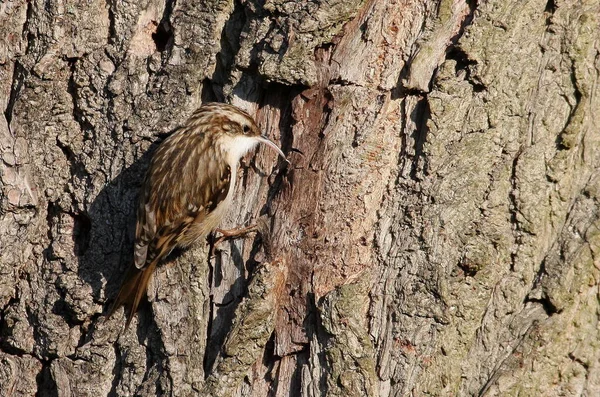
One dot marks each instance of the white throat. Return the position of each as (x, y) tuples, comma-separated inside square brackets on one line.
[(237, 147)]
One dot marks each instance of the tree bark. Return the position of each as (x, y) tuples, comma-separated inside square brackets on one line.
[(436, 233)]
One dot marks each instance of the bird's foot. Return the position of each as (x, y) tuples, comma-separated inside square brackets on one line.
[(236, 232)]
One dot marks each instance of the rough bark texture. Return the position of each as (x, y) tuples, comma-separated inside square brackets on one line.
[(437, 231)]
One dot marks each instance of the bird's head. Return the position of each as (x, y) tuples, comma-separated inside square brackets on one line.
[(238, 131)]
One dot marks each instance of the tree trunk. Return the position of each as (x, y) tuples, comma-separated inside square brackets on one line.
[(436, 233)]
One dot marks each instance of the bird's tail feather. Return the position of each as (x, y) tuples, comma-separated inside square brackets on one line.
[(132, 289)]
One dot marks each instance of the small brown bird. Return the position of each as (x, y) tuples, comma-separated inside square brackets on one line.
[(188, 189)]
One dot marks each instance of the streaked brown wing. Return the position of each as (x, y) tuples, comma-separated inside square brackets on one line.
[(183, 185)]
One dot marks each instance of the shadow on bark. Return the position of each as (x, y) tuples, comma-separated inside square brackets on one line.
[(111, 231)]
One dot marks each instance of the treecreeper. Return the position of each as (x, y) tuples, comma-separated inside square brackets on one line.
[(187, 190)]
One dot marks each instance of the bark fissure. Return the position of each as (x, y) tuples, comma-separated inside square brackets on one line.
[(18, 80), (514, 212), (163, 37), (112, 32)]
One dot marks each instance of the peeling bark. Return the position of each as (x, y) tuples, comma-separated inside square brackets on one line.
[(435, 234)]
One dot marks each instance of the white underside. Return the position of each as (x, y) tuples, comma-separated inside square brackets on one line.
[(236, 148)]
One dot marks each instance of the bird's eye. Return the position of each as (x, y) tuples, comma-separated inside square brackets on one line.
[(246, 128)]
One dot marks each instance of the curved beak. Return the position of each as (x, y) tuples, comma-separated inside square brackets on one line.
[(268, 142)]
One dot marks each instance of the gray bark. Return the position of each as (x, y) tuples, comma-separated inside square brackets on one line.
[(437, 231)]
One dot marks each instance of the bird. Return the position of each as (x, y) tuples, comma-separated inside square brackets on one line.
[(187, 190)]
